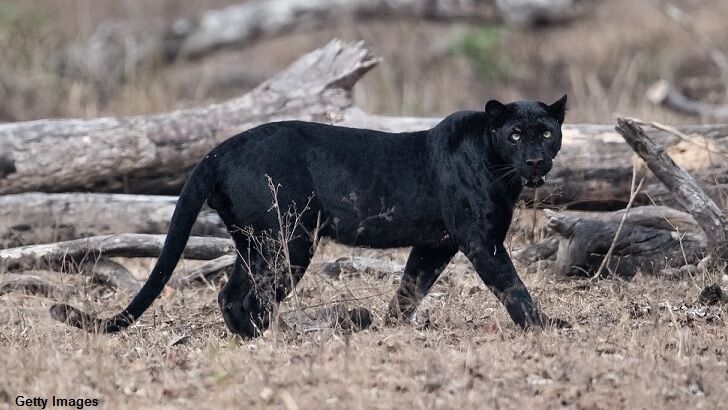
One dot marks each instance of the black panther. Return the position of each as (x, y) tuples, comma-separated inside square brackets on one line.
[(448, 189)]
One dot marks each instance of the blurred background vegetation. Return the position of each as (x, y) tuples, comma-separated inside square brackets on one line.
[(605, 60)]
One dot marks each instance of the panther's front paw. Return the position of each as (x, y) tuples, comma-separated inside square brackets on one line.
[(398, 313)]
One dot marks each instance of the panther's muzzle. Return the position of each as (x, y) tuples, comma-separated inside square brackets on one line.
[(534, 181)]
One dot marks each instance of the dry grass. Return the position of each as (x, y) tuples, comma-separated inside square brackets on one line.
[(626, 350)]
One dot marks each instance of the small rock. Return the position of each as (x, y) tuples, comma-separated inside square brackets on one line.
[(353, 319), (536, 380), (712, 295), (432, 386), (491, 328), (695, 385), (267, 395), (360, 318), (332, 269), (605, 348)]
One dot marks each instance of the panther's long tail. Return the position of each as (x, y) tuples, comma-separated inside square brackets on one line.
[(195, 192)]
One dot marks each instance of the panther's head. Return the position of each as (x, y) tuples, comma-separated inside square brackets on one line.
[(526, 136)]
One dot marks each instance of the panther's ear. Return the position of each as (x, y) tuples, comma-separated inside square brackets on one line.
[(494, 108), (558, 109)]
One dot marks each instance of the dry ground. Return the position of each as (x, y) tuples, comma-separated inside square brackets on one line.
[(643, 344)]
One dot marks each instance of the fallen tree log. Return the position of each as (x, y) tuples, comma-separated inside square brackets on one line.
[(589, 173), (42, 218), (60, 255), (203, 272), (29, 282), (107, 272), (583, 244), (596, 173), (582, 239), (109, 53)]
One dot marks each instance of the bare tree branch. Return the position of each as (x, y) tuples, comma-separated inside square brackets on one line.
[(681, 184)]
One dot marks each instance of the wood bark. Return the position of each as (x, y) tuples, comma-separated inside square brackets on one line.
[(583, 244), (29, 282), (593, 171), (152, 152), (77, 252), (581, 236), (42, 218), (114, 48), (107, 272), (686, 190)]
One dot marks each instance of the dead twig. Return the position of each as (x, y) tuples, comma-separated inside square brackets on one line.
[(674, 131), (633, 195)]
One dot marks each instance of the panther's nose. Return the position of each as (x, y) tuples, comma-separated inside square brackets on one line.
[(534, 161)]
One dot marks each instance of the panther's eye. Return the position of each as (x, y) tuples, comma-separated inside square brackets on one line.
[(515, 137), (547, 134)]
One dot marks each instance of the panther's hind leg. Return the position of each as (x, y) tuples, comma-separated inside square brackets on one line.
[(259, 281), (424, 265), (300, 252)]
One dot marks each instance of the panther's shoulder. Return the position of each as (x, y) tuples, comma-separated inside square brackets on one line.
[(459, 125)]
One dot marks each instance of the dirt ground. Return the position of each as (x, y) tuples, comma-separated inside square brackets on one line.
[(647, 343)]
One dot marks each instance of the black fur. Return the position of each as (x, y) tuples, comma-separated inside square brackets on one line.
[(442, 190)]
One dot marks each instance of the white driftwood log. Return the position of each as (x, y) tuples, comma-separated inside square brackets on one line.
[(80, 251), (41, 218)]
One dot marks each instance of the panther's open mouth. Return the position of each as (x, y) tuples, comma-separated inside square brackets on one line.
[(533, 182)]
